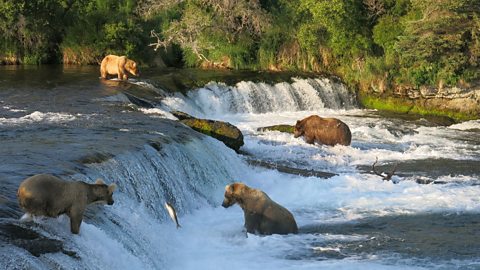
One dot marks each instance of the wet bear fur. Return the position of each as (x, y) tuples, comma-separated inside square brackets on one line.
[(47, 195), (328, 131), (262, 214)]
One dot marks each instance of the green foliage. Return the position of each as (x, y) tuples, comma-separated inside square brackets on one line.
[(269, 46), (107, 27), (387, 31), (344, 21), (436, 47), (412, 42)]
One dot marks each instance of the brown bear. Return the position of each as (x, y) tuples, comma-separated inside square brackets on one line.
[(329, 131), (118, 65), (47, 195), (262, 214)]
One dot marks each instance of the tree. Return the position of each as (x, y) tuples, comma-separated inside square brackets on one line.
[(437, 46), (205, 20)]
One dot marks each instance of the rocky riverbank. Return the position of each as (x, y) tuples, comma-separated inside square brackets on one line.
[(458, 103)]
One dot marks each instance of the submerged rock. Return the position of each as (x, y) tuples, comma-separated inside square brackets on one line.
[(290, 170), (29, 238), (229, 134), (281, 128)]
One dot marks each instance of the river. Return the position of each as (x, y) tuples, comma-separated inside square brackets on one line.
[(67, 122)]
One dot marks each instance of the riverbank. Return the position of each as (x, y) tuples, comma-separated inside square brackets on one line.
[(452, 104), (455, 103)]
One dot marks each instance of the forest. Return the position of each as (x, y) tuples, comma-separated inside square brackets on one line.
[(368, 43)]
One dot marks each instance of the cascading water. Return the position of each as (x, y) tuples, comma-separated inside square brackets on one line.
[(130, 234), (249, 97), (351, 221)]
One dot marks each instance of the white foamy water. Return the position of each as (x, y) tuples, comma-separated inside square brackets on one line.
[(37, 116), (468, 125), (212, 237), (158, 112), (217, 99), (136, 232)]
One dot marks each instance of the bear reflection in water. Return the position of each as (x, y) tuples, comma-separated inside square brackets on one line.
[(262, 214)]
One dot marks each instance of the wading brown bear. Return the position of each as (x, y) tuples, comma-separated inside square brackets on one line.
[(47, 195), (262, 214), (329, 131), (118, 65)]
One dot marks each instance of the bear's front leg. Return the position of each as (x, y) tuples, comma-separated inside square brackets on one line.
[(252, 222), (76, 216), (309, 139)]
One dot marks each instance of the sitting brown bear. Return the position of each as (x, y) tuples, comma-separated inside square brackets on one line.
[(47, 195), (118, 65), (329, 131), (262, 214)]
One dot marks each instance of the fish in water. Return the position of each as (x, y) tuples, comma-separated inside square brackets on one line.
[(172, 213)]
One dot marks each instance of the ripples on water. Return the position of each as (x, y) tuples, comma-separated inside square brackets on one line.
[(74, 126)]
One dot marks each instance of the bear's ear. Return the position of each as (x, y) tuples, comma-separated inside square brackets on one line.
[(237, 186), (229, 188), (111, 188), (99, 182)]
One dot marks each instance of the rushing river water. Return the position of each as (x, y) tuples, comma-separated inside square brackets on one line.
[(68, 122)]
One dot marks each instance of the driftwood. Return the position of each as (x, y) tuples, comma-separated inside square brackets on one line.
[(385, 176)]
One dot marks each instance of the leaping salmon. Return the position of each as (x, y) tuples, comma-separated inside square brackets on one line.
[(172, 213)]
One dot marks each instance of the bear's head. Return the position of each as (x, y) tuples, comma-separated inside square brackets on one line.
[(233, 194), (104, 193), (298, 130), (131, 67)]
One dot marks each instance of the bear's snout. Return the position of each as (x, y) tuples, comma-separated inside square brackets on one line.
[(227, 203), (110, 202)]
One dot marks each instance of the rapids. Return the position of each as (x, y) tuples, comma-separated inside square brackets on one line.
[(77, 127)]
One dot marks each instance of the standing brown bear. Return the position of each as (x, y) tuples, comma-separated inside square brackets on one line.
[(262, 214), (329, 131), (47, 195), (118, 65)]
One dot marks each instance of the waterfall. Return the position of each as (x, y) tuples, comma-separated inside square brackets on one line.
[(249, 97), (190, 174)]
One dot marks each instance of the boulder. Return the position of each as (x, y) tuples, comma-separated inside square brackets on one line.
[(229, 134)]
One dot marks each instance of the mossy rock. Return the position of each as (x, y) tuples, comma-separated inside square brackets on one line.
[(229, 134), (440, 110), (181, 115), (281, 128)]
